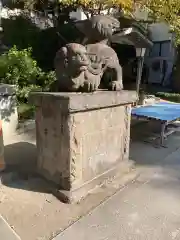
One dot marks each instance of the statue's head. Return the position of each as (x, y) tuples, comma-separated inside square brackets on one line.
[(74, 56), (77, 54)]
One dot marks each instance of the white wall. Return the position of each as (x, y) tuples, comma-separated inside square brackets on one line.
[(140, 14), (79, 14), (160, 32), (6, 12)]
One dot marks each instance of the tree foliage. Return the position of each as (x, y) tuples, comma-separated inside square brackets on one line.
[(164, 10), (159, 10), (91, 7), (62, 8), (17, 67)]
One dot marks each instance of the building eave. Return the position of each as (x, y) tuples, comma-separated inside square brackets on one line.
[(131, 36)]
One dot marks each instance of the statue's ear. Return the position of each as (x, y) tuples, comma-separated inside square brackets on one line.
[(64, 52), (65, 56), (61, 57), (61, 53), (65, 62)]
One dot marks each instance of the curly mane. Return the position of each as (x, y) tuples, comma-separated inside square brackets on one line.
[(104, 25)]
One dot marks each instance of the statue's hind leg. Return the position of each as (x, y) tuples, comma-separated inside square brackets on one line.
[(116, 83)]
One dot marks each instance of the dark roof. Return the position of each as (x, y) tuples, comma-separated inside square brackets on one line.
[(132, 36), (141, 26), (131, 32)]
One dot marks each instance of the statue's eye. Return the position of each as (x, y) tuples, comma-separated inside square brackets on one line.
[(74, 57)]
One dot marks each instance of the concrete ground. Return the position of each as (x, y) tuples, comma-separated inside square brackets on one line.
[(6, 232), (148, 208), (26, 202)]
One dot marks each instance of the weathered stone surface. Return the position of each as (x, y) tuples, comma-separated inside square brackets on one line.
[(80, 68), (6, 232), (74, 102), (82, 139), (8, 110)]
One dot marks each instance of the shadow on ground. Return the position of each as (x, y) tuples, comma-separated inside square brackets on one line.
[(20, 160), (37, 215), (20, 155), (159, 166), (145, 154)]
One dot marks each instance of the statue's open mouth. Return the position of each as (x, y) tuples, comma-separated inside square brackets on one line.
[(83, 65), (84, 68)]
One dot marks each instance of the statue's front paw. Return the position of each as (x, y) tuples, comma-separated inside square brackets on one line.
[(116, 86), (90, 86)]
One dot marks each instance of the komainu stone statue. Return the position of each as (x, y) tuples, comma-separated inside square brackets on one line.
[(81, 67)]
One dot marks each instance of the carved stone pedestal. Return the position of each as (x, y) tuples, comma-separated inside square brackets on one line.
[(82, 138)]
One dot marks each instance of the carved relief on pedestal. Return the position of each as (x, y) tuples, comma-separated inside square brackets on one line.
[(127, 115), (75, 150)]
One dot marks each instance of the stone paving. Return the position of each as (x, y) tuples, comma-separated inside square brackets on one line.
[(147, 209), (6, 232)]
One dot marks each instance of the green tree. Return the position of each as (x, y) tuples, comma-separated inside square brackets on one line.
[(60, 9), (164, 10), (92, 7), (159, 10)]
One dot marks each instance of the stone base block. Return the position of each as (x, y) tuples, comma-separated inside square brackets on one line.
[(75, 195), (82, 138)]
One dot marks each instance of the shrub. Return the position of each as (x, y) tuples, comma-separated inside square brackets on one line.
[(23, 33), (17, 67), (25, 111), (173, 97)]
